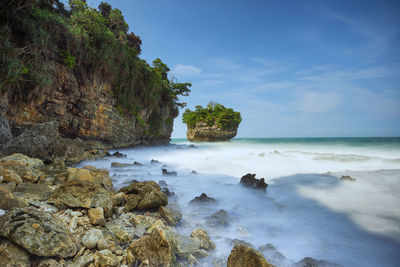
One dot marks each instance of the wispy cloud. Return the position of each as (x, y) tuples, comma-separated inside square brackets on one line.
[(315, 102), (185, 70)]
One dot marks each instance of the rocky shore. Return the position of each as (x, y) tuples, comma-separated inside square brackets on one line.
[(203, 132), (53, 215)]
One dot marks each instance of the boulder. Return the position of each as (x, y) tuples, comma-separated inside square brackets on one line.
[(96, 216), (39, 233), (250, 181), (105, 258), (26, 168), (90, 239), (82, 195), (90, 174), (347, 178), (40, 192), (9, 200), (203, 199), (171, 214), (218, 219), (166, 172), (118, 199), (144, 196), (274, 256), (186, 246), (13, 255), (82, 261), (49, 263), (120, 165), (9, 176), (8, 187), (243, 256), (202, 236), (5, 132), (156, 249), (311, 262)]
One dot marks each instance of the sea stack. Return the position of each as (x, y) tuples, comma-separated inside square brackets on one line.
[(212, 123)]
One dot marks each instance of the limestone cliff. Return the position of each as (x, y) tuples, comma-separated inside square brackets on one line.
[(86, 111), (203, 132)]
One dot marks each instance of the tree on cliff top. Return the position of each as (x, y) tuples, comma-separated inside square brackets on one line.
[(213, 114)]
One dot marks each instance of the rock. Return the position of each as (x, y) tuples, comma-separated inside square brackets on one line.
[(26, 168), (13, 255), (203, 132), (5, 132), (49, 263), (38, 192), (235, 241), (40, 233), (218, 219), (90, 239), (96, 216), (186, 246), (274, 256), (147, 194), (203, 199), (166, 172), (250, 181), (120, 165), (8, 187), (202, 236), (118, 155), (192, 260), (193, 172), (171, 214), (9, 200), (156, 249), (54, 173), (154, 161), (10, 176), (118, 199), (91, 175), (137, 164), (82, 195), (106, 243), (82, 261), (347, 178), (311, 262), (168, 193), (243, 256), (105, 258)]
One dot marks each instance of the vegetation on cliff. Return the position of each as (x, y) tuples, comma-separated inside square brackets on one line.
[(90, 42), (213, 114)]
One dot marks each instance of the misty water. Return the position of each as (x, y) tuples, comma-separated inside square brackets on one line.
[(307, 211)]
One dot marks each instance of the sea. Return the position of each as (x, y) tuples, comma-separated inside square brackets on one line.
[(307, 209)]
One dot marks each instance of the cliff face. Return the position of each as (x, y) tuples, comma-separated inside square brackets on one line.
[(203, 132), (86, 110)]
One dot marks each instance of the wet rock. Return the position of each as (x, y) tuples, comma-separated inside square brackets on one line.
[(347, 178), (49, 263), (186, 246), (89, 174), (235, 241), (154, 161), (82, 195), (168, 193), (120, 165), (96, 216), (40, 192), (192, 260), (10, 176), (311, 262), (243, 256), (106, 243), (90, 239), (9, 200), (82, 261), (105, 258), (118, 155), (156, 249), (200, 254), (171, 214), (250, 181), (218, 219), (147, 194), (137, 164), (274, 256), (203, 199), (26, 168), (40, 233), (13, 255), (166, 172), (193, 172), (202, 236), (5, 132), (54, 173)]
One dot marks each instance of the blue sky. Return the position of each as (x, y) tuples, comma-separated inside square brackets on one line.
[(292, 68)]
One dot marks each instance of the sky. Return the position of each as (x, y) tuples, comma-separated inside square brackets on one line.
[(314, 68)]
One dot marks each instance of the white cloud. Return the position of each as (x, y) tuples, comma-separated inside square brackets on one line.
[(185, 70), (316, 102)]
